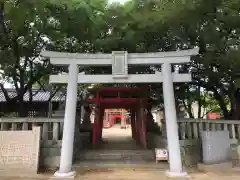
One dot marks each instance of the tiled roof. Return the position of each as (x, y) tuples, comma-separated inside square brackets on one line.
[(41, 96)]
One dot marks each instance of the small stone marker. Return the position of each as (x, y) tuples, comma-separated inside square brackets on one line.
[(161, 154)]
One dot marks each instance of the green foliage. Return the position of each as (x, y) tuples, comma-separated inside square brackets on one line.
[(25, 28), (94, 26)]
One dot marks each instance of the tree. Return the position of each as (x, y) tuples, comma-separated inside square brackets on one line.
[(214, 27), (26, 26), (137, 26)]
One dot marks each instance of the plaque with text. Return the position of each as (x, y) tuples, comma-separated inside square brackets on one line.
[(119, 64)]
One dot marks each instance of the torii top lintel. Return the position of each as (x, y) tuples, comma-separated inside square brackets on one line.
[(175, 57), (119, 60)]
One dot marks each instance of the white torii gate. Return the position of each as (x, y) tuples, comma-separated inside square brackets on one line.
[(119, 60)]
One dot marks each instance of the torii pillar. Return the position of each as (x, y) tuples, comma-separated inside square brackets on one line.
[(65, 168), (175, 161)]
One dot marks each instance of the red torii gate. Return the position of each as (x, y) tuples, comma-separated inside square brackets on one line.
[(135, 105), (112, 114)]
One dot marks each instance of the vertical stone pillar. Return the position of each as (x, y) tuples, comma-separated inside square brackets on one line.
[(25, 126), (14, 126), (45, 131), (171, 123), (56, 131), (65, 169), (50, 101)]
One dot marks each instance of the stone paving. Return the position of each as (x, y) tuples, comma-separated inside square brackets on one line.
[(119, 172), (117, 138), (142, 174), (134, 174)]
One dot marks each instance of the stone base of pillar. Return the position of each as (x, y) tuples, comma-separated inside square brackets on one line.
[(176, 174), (69, 175)]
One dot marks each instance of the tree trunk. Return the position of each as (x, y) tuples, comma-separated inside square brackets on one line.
[(222, 104), (237, 107), (22, 110), (199, 102)]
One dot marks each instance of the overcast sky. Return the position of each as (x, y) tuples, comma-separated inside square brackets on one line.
[(122, 1)]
